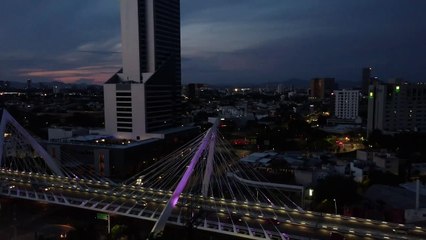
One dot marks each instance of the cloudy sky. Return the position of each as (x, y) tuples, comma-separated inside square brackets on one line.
[(223, 41)]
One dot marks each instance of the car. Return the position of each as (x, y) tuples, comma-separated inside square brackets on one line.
[(399, 230)]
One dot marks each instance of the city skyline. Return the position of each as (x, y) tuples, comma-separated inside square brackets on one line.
[(238, 42)]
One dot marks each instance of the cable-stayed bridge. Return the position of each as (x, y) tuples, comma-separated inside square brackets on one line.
[(201, 185)]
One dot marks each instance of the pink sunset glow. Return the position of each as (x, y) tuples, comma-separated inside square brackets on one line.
[(97, 74)]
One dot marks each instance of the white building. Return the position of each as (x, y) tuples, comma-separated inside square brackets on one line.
[(144, 97), (356, 172), (346, 104)]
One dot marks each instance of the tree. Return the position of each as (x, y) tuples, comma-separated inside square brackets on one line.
[(119, 232), (385, 178), (342, 189)]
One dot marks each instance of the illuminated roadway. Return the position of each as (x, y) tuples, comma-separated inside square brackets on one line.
[(243, 219)]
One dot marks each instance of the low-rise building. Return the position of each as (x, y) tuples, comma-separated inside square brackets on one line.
[(107, 156), (383, 160), (259, 159), (357, 172), (397, 204), (387, 163), (418, 169)]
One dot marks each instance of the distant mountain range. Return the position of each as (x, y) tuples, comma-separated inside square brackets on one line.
[(295, 82), (50, 84)]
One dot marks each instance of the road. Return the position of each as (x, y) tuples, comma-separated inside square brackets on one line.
[(232, 217)]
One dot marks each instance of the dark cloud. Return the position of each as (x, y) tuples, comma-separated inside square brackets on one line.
[(314, 38), (222, 41), (46, 35)]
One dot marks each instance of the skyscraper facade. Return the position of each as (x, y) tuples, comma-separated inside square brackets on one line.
[(144, 97), (395, 107), (346, 104), (366, 80), (322, 87)]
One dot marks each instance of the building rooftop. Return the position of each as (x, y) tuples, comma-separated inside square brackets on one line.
[(103, 141), (293, 158), (411, 186), (174, 130), (394, 197), (262, 158)]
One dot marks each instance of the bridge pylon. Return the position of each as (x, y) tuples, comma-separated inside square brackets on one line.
[(10, 128), (157, 230)]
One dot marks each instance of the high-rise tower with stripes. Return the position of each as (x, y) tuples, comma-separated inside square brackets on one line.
[(144, 97)]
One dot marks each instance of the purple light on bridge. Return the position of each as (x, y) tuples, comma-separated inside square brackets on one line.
[(188, 173), (184, 180), (161, 223), (175, 200)]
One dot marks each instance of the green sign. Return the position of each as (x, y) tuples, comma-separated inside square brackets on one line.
[(102, 216)]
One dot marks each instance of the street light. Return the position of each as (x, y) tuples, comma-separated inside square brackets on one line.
[(335, 206)]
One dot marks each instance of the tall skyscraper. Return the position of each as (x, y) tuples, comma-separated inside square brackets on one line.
[(29, 84), (395, 107), (366, 80), (194, 91), (322, 87), (144, 97)]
